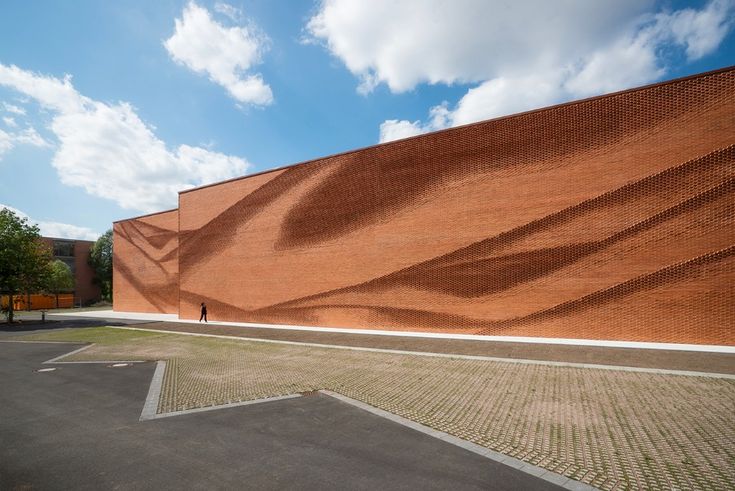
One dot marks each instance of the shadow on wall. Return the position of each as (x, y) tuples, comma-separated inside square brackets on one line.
[(650, 259)]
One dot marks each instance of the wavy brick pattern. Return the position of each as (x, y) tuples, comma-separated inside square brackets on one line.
[(608, 218), (146, 263)]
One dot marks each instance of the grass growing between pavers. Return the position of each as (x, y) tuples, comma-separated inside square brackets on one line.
[(613, 429), (102, 334)]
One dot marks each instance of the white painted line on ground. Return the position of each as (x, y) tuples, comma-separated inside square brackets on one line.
[(57, 360), (37, 342), (150, 407), (533, 470), (109, 314), (78, 350), (659, 371)]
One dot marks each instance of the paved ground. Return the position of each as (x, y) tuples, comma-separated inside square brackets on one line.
[(614, 429), (78, 428), (632, 357)]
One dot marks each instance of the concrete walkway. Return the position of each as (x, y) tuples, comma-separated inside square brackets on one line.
[(152, 317), (718, 362)]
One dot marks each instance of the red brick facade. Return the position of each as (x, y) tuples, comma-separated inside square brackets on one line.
[(608, 218), (146, 264)]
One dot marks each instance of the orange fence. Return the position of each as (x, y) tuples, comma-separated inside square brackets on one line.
[(39, 301)]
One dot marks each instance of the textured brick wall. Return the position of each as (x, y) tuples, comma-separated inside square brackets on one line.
[(609, 218), (145, 263)]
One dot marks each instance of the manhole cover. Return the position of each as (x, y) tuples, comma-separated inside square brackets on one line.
[(45, 369), (119, 365)]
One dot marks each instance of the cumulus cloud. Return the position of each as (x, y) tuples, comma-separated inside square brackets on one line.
[(394, 129), (519, 55), (637, 57), (9, 121), (56, 229), (111, 153), (224, 54), (406, 43), (701, 31)]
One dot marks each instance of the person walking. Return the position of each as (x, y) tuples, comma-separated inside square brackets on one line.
[(204, 313)]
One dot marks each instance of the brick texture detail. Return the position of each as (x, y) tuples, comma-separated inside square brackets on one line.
[(146, 263), (608, 218)]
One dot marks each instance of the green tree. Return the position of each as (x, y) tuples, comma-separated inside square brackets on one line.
[(59, 279), (100, 258), (24, 258)]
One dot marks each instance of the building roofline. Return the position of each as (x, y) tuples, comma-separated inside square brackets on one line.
[(66, 239), (468, 125), (146, 215)]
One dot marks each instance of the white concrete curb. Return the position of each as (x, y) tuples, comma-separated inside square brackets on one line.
[(533, 470), (143, 316)]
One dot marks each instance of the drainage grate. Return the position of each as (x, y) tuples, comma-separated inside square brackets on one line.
[(309, 393)]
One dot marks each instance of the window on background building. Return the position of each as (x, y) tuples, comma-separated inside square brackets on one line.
[(63, 248), (71, 263)]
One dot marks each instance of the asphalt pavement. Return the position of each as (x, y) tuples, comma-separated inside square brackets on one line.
[(78, 427)]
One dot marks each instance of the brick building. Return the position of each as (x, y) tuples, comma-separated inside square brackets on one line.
[(605, 218), (75, 254)]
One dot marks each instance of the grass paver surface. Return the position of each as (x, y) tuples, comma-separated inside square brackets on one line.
[(610, 428)]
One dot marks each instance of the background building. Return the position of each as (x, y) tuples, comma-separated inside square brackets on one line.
[(607, 218), (75, 253)]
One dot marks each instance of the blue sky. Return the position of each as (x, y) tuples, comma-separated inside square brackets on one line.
[(107, 109)]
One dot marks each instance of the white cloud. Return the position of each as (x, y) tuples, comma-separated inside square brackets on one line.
[(393, 129), (6, 142), (111, 153), (522, 54), (506, 95), (225, 54), (635, 58), (28, 136), (701, 31), (406, 43), (233, 13), (10, 122), (56, 229), (14, 109)]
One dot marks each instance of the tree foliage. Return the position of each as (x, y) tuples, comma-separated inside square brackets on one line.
[(59, 279), (24, 258), (100, 258)]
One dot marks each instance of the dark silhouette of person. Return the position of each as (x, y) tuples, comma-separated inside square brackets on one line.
[(204, 313)]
